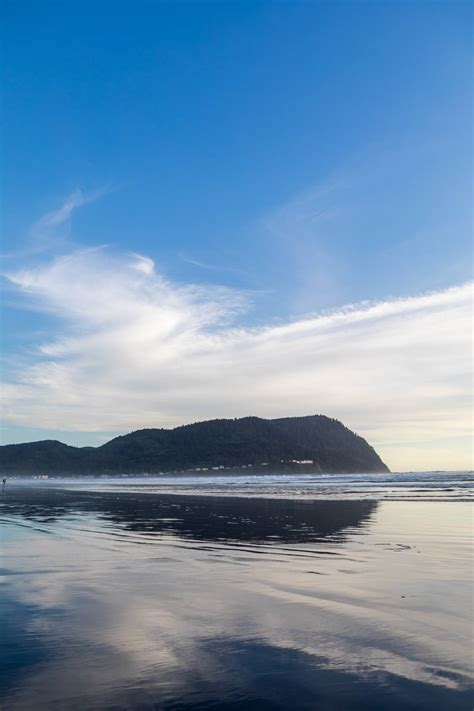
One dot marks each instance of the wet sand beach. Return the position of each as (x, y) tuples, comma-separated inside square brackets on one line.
[(116, 599)]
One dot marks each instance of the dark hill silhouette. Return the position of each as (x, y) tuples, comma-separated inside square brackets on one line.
[(327, 443)]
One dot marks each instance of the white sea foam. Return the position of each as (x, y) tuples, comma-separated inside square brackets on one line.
[(444, 486)]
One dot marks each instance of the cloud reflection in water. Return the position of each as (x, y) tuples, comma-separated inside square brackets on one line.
[(129, 601)]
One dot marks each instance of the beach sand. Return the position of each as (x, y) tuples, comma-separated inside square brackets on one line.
[(127, 600)]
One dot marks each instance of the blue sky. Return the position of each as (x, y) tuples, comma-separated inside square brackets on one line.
[(286, 159)]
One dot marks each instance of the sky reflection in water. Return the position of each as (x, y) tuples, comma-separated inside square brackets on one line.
[(114, 600)]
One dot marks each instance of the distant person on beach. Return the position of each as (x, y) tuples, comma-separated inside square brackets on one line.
[(4, 481)]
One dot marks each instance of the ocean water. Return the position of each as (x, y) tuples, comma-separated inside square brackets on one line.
[(428, 486), (266, 593)]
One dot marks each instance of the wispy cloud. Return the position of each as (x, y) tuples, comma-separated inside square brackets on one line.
[(300, 237), (302, 215), (136, 350), (63, 213), (201, 264), (50, 232)]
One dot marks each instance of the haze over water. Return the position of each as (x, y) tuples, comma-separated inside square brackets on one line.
[(118, 595)]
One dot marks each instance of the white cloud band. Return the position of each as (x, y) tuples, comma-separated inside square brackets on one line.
[(138, 351)]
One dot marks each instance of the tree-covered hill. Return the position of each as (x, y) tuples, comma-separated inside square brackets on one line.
[(322, 443)]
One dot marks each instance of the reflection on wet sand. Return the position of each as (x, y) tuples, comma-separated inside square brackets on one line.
[(129, 601), (199, 518)]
